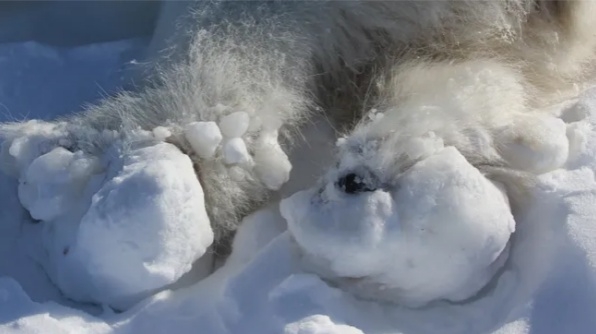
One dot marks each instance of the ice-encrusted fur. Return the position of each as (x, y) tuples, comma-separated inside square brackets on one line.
[(286, 60)]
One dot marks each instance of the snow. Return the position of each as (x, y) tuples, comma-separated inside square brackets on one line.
[(272, 164), (235, 124), (235, 152), (126, 250), (143, 230), (141, 206), (54, 181), (66, 72), (440, 235), (161, 133), (544, 147), (204, 137)]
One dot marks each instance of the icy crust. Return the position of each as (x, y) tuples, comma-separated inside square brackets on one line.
[(116, 227), (438, 235)]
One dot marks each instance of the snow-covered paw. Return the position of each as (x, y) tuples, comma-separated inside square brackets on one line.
[(118, 224), (229, 140), (136, 227), (438, 231)]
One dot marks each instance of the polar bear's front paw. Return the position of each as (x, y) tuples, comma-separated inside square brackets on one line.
[(229, 141), (136, 200)]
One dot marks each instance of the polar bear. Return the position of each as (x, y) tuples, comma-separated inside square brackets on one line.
[(429, 186), (230, 84)]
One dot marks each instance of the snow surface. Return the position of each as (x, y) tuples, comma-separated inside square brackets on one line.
[(547, 286)]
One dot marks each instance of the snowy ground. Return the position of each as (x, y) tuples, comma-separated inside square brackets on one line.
[(96, 243)]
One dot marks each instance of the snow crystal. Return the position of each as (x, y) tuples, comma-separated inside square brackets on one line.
[(204, 137), (235, 124), (235, 152)]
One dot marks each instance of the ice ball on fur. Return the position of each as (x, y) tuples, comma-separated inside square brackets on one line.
[(235, 124), (54, 181), (204, 137)]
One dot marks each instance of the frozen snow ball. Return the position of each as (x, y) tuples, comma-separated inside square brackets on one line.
[(440, 233), (143, 230), (235, 124), (161, 133), (535, 143), (54, 181), (24, 142), (204, 137), (271, 163), (235, 152)]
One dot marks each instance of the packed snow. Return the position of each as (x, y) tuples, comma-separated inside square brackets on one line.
[(117, 243), (235, 152), (272, 164), (235, 124), (442, 234), (204, 137), (118, 227)]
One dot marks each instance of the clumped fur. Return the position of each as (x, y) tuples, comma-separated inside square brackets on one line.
[(285, 61)]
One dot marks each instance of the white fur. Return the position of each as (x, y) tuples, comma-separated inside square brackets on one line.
[(477, 66)]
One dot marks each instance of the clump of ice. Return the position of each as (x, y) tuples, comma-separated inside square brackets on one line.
[(24, 142), (440, 233), (143, 229), (271, 163), (235, 152), (204, 137), (235, 124), (161, 133), (55, 181), (116, 227), (543, 146)]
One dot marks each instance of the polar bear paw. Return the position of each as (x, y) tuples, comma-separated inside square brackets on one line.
[(141, 204)]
